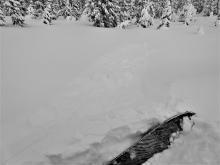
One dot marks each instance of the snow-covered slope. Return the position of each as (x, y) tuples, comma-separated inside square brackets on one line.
[(75, 94)]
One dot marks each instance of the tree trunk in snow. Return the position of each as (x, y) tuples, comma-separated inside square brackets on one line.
[(155, 140)]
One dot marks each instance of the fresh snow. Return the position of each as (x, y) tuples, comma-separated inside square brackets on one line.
[(76, 94)]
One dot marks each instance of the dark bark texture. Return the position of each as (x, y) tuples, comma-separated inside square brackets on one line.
[(155, 140)]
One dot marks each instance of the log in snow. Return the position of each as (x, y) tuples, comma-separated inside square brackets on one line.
[(155, 140)]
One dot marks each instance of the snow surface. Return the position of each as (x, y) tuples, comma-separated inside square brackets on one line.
[(76, 94)]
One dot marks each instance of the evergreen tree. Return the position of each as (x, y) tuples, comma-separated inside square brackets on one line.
[(189, 12), (103, 13), (124, 11), (132, 11), (72, 8), (2, 17), (47, 15), (166, 16), (66, 10), (177, 5), (210, 7), (78, 8), (30, 9), (199, 5), (147, 15), (16, 11), (38, 9), (159, 6), (125, 14), (23, 7), (135, 10)]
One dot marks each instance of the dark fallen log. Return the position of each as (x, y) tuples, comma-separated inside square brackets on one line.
[(155, 140)]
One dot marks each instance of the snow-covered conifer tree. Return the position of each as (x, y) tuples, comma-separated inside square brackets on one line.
[(132, 12), (103, 13), (30, 9), (147, 15), (124, 11), (166, 16), (177, 5), (159, 6), (199, 5), (38, 9), (189, 12), (15, 10), (47, 15), (66, 11), (2, 17), (78, 8), (136, 8), (126, 14), (210, 7), (73, 9)]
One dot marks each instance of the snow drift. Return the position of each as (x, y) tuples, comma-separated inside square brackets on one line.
[(86, 100)]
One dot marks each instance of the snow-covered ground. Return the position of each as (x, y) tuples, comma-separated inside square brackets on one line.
[(76, 94)]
